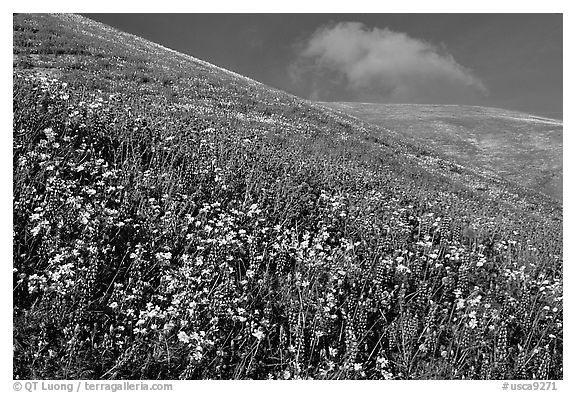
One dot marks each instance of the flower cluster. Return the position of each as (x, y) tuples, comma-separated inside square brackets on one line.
[(183, 222)]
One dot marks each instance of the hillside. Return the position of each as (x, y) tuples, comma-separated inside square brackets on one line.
[(176, 220), (516, 146)]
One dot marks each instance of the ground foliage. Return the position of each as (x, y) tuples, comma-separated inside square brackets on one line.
[(175, 220)]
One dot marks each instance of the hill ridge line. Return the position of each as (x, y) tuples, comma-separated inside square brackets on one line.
[(530, 115), (186, 56)]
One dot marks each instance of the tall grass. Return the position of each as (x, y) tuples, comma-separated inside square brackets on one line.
[(212, 228)]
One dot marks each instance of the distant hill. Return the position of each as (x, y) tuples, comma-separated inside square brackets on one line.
[(175, 220), (517, 146)]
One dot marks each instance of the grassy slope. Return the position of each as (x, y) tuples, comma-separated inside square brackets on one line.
[(516, 146), (176, 220)]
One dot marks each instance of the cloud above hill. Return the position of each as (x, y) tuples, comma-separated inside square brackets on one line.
[(380, 64)]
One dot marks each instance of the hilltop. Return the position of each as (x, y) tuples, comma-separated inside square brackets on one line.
[(173, 219), (516, 146)]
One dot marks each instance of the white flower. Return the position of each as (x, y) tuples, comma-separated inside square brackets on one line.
[(164, 256), (84, 217), (476, 300), (138, 330), (461, 303), (382, 361), (50, 134), (259, 334), (183, 337), (36, 230)]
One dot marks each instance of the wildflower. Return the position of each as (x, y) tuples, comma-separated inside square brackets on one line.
[(382, 361), (36, 230), (476, 301), (164, 256), (183, 337), (50, 134), (460, 304), (197, 355), (140, 330), (259, 334), (84, 217)]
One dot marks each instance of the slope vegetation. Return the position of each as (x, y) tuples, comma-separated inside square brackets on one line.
[(176, 220), (518, 147)]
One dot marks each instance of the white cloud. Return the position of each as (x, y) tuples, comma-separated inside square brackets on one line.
[(382, 64)]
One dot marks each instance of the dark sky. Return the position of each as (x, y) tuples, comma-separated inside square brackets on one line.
[(511, 61)]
